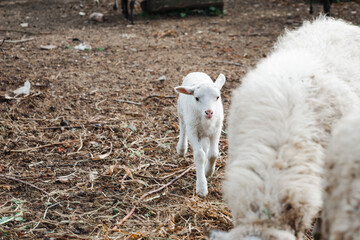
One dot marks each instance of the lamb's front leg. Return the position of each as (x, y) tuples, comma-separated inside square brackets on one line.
[(212, 155), (200, 160)]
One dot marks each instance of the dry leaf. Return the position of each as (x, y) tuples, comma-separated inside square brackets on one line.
[(7, 187)]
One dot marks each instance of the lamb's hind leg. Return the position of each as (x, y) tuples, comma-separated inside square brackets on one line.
[(182, 145)]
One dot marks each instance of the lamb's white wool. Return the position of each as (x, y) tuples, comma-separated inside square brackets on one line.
[(341, 212), (280, 121), (201, 116)]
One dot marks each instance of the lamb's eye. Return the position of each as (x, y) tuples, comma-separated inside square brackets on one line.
[(217, 98), (197, 99)]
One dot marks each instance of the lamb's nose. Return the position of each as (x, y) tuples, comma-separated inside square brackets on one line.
[(208, 113)]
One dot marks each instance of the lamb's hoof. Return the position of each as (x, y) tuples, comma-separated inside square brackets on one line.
[(209, 171), (202, 192), (181, 151)]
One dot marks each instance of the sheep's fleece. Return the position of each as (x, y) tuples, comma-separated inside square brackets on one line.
[(279, 125), (341, 213)]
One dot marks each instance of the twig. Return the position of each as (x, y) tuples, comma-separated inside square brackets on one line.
[(19, 31), (4, 56), (9, 219), (158, 96), (261, 34), (64, 236), (228, 62), (30, 184), (81, 144), (36, 225), (18, 41), (3, 41), (151, 192), (65, 127), (57, 75), (47, 145), (48, 209), (126, 101), (95, 125)]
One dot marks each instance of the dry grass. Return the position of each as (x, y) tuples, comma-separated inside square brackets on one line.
[(79, 181)]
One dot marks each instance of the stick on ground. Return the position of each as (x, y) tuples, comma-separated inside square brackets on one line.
[(18, 41), (157, 96), (47, 145), (228, 62), (151, 192)]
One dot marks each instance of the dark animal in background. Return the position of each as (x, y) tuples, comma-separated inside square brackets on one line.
[(327, 4), (125, 9)]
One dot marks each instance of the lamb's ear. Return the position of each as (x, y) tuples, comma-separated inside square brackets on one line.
[(185, 90), (220, 81)]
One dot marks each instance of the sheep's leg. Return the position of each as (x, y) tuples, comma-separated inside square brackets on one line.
[(201, 182), (327, 7), (205, 145), (132, 5), (182, 145), (316, 232), (115, 6), (200, 160), (124, 7), (213, 154)]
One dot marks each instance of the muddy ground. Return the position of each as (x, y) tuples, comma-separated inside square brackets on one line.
[(117, 105)]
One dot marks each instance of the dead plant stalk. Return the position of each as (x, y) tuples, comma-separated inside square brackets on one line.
[(43, 146)]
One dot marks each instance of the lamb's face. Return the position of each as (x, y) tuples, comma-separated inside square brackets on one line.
[(206, 98)]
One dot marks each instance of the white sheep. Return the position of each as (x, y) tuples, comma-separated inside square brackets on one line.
[(341, 212), (201, 116), (280, 122)]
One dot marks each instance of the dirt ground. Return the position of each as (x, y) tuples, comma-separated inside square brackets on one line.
[(117, 104)]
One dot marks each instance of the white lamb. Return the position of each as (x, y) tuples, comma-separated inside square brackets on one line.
[(201, 116), (280, 122), (341, 212)]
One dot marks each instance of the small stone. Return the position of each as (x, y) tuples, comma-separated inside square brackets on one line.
[(162, 78), (64, 123)]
